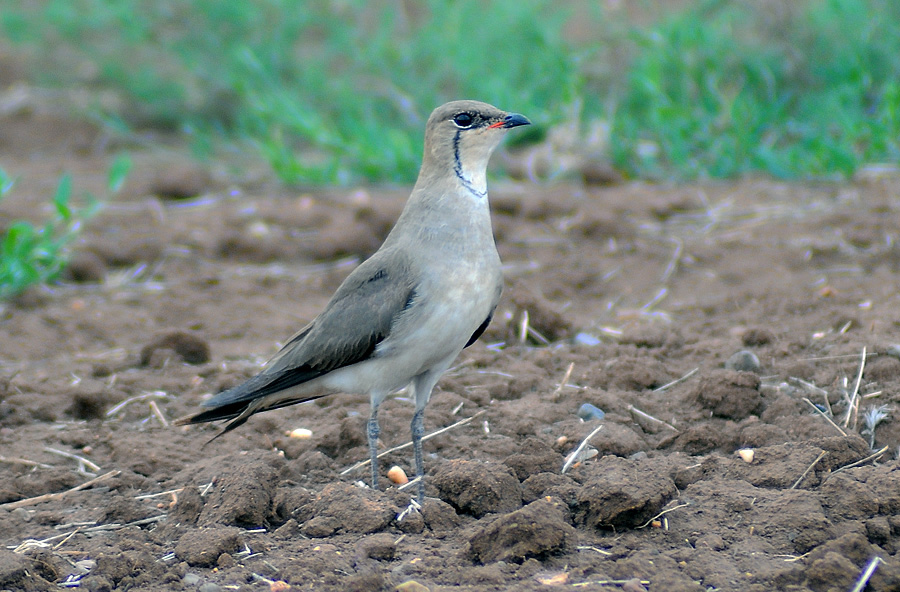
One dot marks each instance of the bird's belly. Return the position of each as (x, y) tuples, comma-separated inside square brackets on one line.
[(431, 338), (376, 376)]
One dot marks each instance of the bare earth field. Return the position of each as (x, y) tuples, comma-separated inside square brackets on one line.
[(188, 280)]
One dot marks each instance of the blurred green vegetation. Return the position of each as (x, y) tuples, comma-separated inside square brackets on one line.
[(805, 89), (36, 254), (336, 91)]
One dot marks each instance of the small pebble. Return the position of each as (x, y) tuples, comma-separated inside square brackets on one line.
[(746, 454), (744, 361), (381, 546), (225, 561), (633, 585), (301, 433), (22, 514), (586, 339), (411, 586), (209, 587), (397, 475), (557, 578), (587, 412), (191, 579), (259, 229)]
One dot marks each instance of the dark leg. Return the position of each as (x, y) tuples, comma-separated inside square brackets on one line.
[(372, 431), (418, 430)]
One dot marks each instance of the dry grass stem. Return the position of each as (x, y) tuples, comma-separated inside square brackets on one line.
[(24, 461), (825, 415), (461, 422), (111, 355), (117, 526), (523, 327), (410, 509), (82, 462), (853, 408), (537, 336), (141, 397), (158, 414), (807, 385), (66, 539), (828, 358), (611, 332), (495, 373), (55, 496), (663, 292), (650, 418), (861, 461), (663, 513), (592, 548), (608, 583), (676, 381), (570, 460), (673, 261), (793, 558), (409, 483), (455, 370), (808, 469), (71, 524), (160, 494), (563, 382), (827, 405), (273, 584), (37, 544), (867, 574)]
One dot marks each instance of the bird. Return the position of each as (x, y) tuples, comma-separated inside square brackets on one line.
[(403, 315)]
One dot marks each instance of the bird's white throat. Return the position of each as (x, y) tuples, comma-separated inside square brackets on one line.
[(471, 157), (475, 182)]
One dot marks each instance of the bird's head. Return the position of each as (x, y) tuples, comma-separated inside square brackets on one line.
[(460, 137)]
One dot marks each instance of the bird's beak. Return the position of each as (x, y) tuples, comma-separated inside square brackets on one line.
[(511, 120)]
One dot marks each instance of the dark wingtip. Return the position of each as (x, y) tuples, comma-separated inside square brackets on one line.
[(214, 415), (224, 412), (227, 429)]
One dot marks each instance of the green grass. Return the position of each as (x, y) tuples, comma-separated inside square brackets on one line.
[(336, 92), (30, 254), (328, 92), (722, 91)]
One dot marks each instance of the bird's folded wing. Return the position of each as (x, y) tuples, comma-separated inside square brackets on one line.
[(358, 317)]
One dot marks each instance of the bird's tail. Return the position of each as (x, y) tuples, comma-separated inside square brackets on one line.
[(239, 412)]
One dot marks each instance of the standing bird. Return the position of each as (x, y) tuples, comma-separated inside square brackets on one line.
[(404, 315)]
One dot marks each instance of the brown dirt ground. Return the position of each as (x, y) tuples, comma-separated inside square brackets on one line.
[(172, 298)]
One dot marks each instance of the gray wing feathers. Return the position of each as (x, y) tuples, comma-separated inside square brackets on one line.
[(358, 317)]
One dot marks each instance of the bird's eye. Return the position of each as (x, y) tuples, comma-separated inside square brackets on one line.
[(463, 120)]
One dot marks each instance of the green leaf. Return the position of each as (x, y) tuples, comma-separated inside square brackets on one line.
[(62, 197), (118, 172), (6, 183)]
